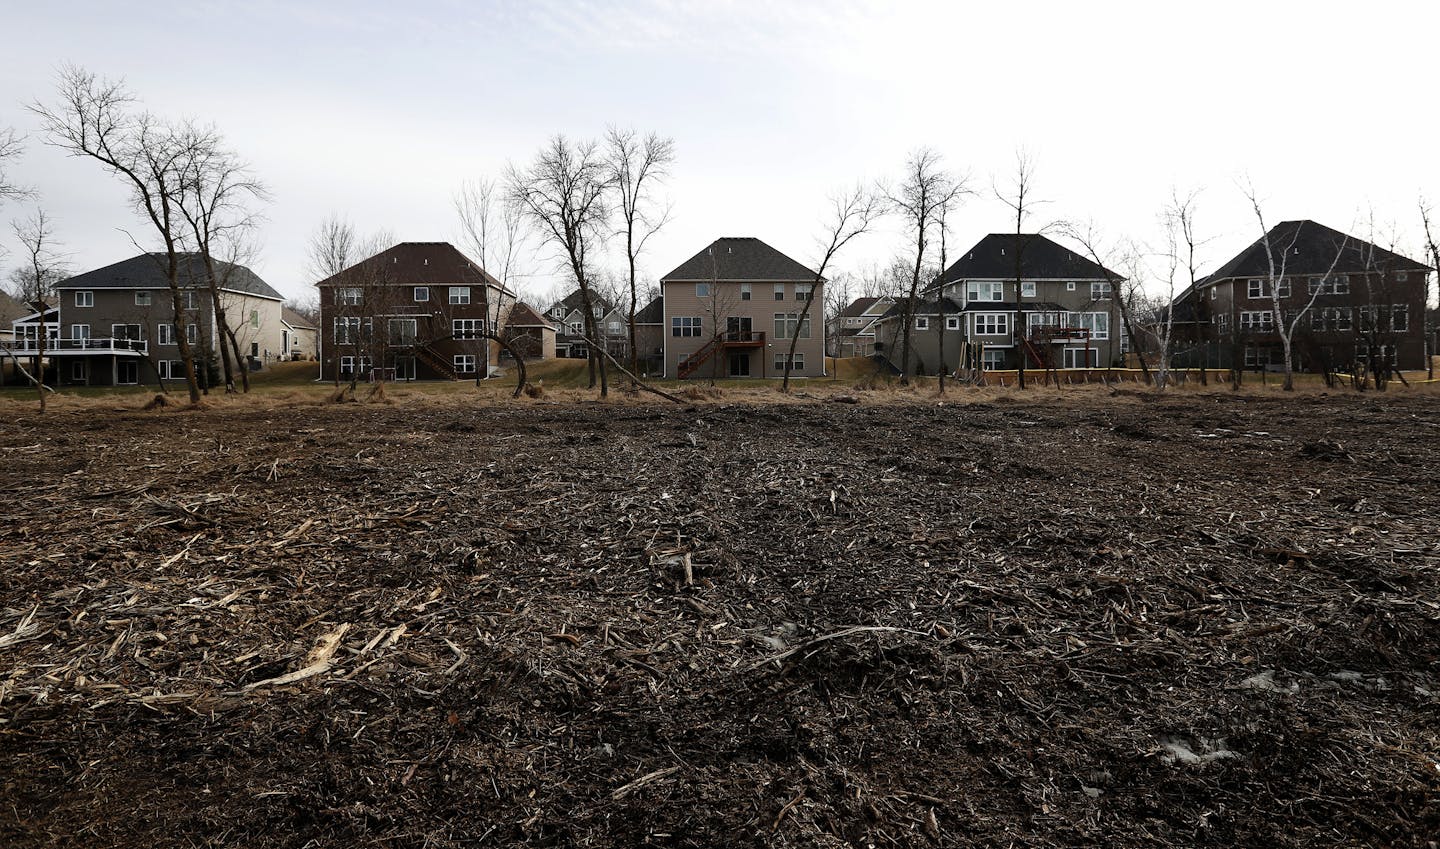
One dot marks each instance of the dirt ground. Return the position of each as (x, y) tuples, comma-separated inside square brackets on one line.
[(1197, 621)]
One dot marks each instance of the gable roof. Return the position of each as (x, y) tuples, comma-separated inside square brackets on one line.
[(1310, 248), (571, 303), (524, 315), (11, 309), (736, 258), (147, 271), (295, 319), (993, 258), (416, 264), (653, 312)]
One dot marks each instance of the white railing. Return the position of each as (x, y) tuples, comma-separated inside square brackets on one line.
[(104, 345)]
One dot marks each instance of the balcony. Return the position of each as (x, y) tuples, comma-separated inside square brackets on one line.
[(742, 339), (80, 347)]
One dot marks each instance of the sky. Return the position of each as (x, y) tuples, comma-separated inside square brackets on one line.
[(377, 111)]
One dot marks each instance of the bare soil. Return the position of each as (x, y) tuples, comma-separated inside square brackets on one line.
[(1197, 621)]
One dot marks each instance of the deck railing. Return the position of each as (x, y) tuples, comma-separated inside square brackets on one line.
[(103, 345)]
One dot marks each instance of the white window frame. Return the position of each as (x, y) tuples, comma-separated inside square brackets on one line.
[(786, 323), (1027, 288), (192, 300), (165, 334), (991, 324), (702, 290), (84, 298), (464, 363), (347, 336), (142, 298), (1399, 318), (421, 294), (922, 322), (1100, 290), (84, 331), (952, 322), (993, 291), (1261, 320), (779, 291), (348, 296), (459, 295), (796, 365), (77, 370), (686, 326), (802, 291), (192, 333), (467, 328), (1091, 322), (347, 365), (745, 291), (992, 358)]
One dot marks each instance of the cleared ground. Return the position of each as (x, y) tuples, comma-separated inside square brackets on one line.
[(1211, 619)]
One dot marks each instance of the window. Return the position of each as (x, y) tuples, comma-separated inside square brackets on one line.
[(1080, 358), (1096, 323), (192, 333), (685, 325), (422, 294), (984, 290), (922, 322), (464, 363), (1331, 319), (779, 291), (575, 328), (702, 290), (1027, 288), (1258, 357), (1257, 320), (993, 358), (79, 331), (797, 364), (192, 301), (1401, 276), (614, 328), (1222, 322), (992, 324), (1261, 288), (1214, 292), (1036, 320), (786, 323), (802, 291), (460, 295), (166, 335), (952, 322), (84, 299), (347, 297), (254, 318), (77, 370), (1070, 286), (171, 369), (127, 331), (1100, 290), (1338, 284), (142, 299), (347, 365), (1399, 318), (558, 311), (347, 331), (402, 331), (467, 328), (744, 291)]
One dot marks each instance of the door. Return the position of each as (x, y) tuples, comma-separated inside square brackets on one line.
[(405, 368), (127, 372), (737, 329), (740, 363), (1082, 357)]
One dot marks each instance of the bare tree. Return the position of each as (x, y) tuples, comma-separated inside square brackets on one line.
[(1433, 253), (852, 213), (1181, 244), (1277, 258), (635, 166), (1022, 203), (35, 281), (565, 192), (1128, 289), (331, 250), (96, 119), (215, 203), (495, 231), (10, 150), (923, 198)]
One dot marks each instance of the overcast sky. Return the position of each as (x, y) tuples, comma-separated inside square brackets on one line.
[(377, 110)]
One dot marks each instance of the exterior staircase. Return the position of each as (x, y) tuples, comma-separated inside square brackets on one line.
[(690, 364), (441, 366)]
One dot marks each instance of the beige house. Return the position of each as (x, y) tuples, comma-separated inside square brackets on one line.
[(732, 309), (529, 333), (116, 325), (299, 336)]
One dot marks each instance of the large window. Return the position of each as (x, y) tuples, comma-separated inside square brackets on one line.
[(464, 363), (84, 299), (786, 324), (171, 369), (1332, 319), (166, 334), (1097, 323), (347, 331), (993, 358), (1261, 288), (1100, 290), (796, 365), (702, 290), (685, 325), (985, 290), (1027, 288), (460, 295), (1263, 320), (192, 300), (127, 331), (1335, 284), (79, 331), (403, 331), (802, 291), (467, 328), (142, 298), (347, 297), (992, 324)]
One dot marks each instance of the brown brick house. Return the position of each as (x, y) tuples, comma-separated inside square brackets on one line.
[(1356, 303), (416, 311), (731, 310)]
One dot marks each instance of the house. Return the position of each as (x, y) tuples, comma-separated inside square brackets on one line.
[(610, 325), (1012, 300), (115, 325), (852, 332), (10, 310), (650, 336), (415, 311), (299, 337), (1356, 303), (732, 309), (529, 333)]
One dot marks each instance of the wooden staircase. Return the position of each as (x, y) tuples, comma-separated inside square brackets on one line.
[(435, 361), (689, 365), (728, 339)]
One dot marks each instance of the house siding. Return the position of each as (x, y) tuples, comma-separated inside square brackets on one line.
[(681, 300)]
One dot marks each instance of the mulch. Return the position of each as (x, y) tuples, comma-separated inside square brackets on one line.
[(1197, 621)]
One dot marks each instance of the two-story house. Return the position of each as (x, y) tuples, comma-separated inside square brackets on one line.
[(852, 332), (732, 309), (1011, 300), (610, 326), (415, 311), (115, 325), (650, 336), (1355, 302)]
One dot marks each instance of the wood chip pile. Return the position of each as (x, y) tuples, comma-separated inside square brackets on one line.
[(1202, 621)]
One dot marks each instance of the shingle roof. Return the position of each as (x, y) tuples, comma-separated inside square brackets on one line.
[(572, 302), (295, 319), (653, 312), (993, 258), (416, 264), (1310, 248), (147, 271), (740, 258), (524, 315), (858, 307), (922, 307)]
